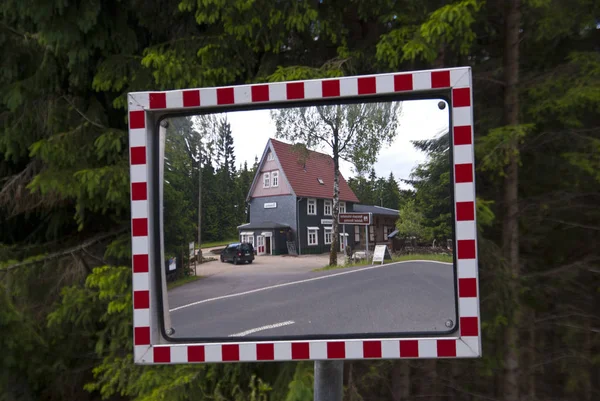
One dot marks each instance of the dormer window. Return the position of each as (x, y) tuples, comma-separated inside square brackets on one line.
[(266, 180)]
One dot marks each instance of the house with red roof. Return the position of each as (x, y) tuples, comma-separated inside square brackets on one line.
[(291, 202)]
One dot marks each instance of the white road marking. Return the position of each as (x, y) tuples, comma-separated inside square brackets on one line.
[(267, 327), (300, 282)]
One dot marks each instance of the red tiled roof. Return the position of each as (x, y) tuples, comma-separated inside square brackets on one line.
[(304, 178)]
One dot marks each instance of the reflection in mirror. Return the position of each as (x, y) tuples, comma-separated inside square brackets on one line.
[(251, 245)]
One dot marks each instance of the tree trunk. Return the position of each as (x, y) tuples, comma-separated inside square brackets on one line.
[(426, 380), (350, 385), (588, 355), (532, 357), (432, 379), (400, 380), (499, 376), (454, 379), (336, 201), (510, 229)]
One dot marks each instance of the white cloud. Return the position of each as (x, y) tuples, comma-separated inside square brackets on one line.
[(420, 119), (251, 131)]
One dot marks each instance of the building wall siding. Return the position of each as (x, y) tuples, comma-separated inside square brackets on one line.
[(284, 213), (278, 239), (379, 222), (307, 220), (283, 186), (269, 165)]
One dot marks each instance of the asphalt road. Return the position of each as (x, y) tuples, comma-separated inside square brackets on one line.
[(414, 296)]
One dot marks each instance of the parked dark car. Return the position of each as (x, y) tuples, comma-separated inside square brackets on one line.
[(238, 252)]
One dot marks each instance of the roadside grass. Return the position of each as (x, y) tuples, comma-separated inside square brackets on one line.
[(182, 281), (217, 243), (402, 258), (437, 258)]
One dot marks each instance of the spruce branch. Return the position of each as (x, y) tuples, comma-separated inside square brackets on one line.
[(66, 252), (82, 114)]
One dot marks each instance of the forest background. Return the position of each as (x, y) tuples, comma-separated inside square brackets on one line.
[(65, 280)]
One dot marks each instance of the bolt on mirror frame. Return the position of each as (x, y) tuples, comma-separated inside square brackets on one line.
[(145, 111)]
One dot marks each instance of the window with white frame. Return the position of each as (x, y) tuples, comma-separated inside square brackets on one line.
[(275, 178), (356, 233), (371, 233), (266, 180), (342, 207), (312, 206), (249, 238), (270, 156), (327, 208), (328, 235), (313, 238)]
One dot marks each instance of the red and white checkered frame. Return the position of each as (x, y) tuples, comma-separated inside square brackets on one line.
[(149, 345)]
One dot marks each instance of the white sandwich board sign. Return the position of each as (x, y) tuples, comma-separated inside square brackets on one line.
[(381, 252)]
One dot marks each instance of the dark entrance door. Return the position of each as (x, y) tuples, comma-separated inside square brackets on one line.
[(268, 245)]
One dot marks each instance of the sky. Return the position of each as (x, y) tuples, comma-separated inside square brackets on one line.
[(419, 119)]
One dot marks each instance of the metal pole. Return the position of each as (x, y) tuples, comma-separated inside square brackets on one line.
[(367, 239), (344, 244), (195, 259), (298, 226), (199, 257), (329, 377)]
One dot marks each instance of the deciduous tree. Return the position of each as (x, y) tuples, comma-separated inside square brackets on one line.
[(354, 132)]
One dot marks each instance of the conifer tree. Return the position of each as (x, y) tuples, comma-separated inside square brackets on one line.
[(65, 291)]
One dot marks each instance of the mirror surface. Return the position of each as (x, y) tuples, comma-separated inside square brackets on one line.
[(266, 199)]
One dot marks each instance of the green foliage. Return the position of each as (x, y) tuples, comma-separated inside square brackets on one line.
[(19, 337), (64, 178), (495, 150), (354, 132), (449, 26), (570, 96), (361, 188), (119, 249), (484, 214), (391, 193), (293, 73), (182, 150), (410, 223), (301, 385), (389, 50), (109, 146), (224, 186), (432, 188), (377, 191), (589, 161)]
